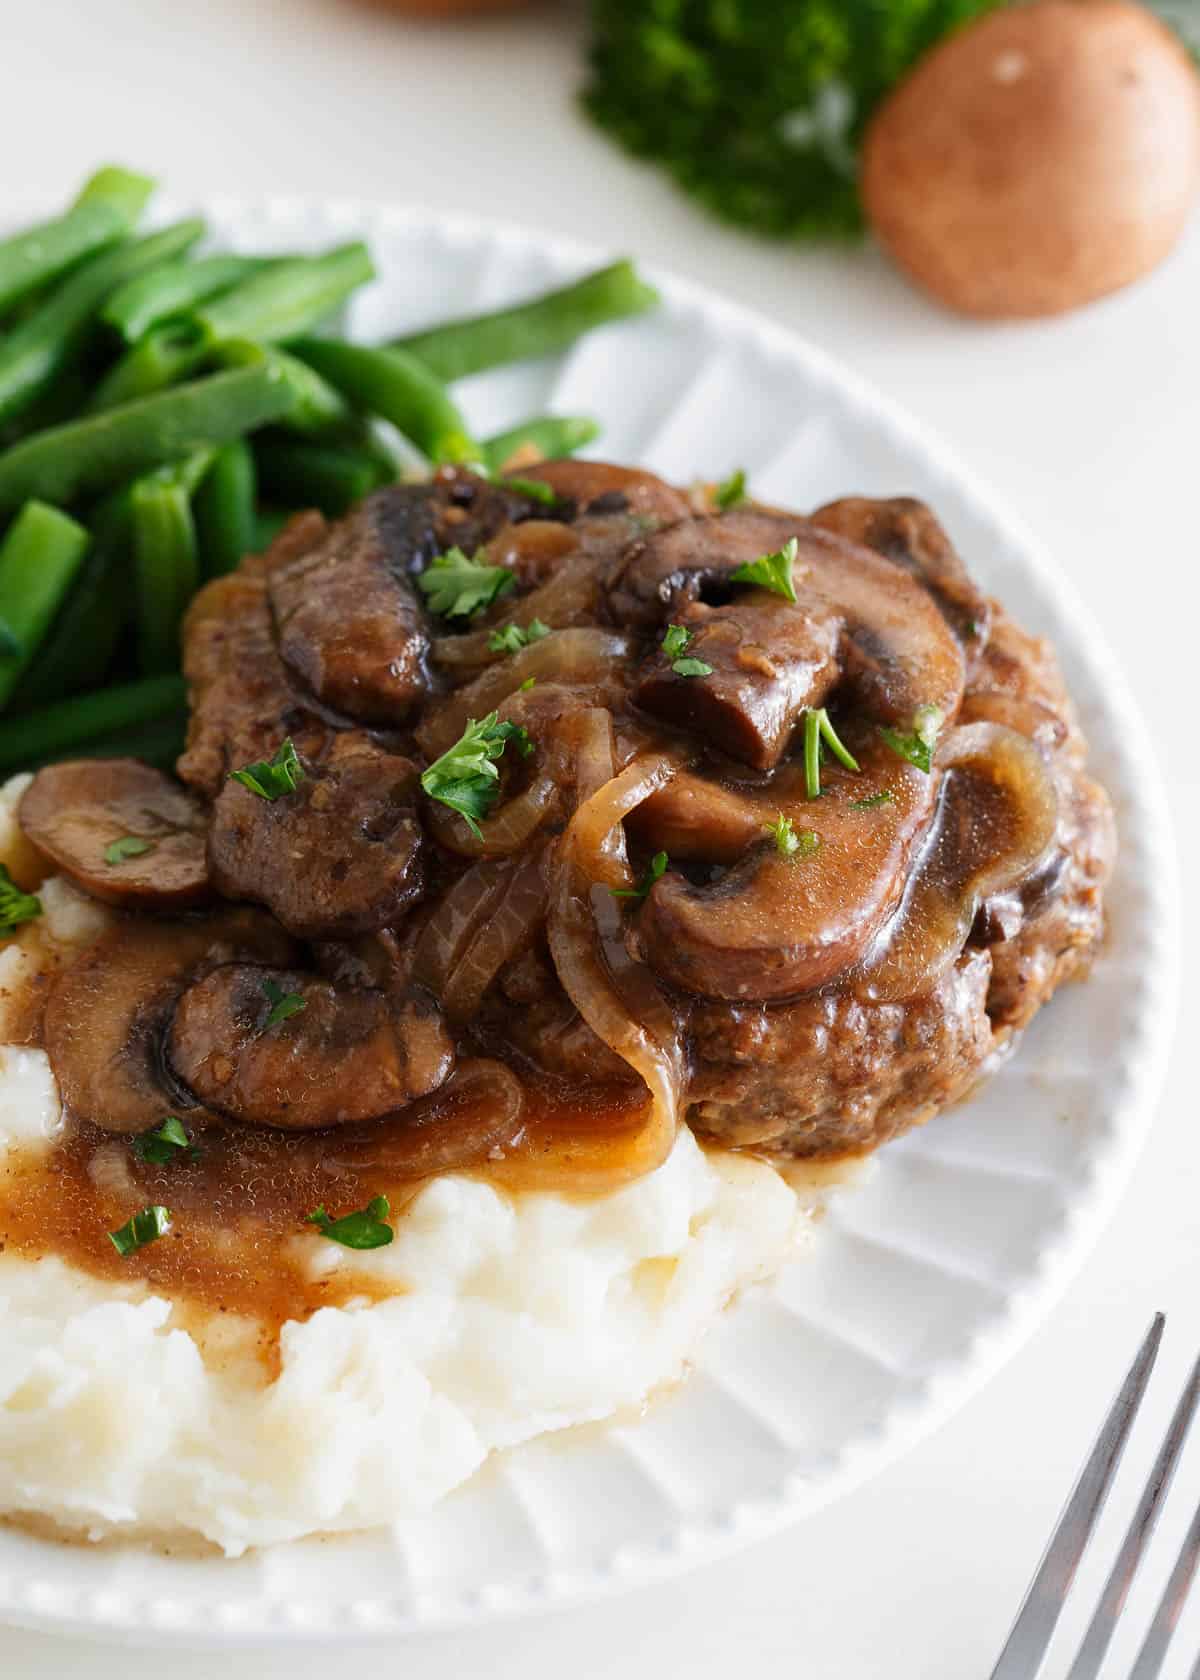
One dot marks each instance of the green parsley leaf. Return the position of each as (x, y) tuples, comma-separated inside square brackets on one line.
[(819, 733), (368, 1228), (457, 586), (465, 777), (658, 864), (283, 1004), (162, 1146), (533, 489), (15, 906), (691, 668), (771, 571), (514, 637), (127, 846), (271, 780), (145, 1227), (731, 492), (876, 799), (675, 640), (916, 745), (530, 682), (788, 842)]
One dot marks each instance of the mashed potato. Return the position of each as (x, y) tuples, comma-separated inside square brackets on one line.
[(502, 1316)]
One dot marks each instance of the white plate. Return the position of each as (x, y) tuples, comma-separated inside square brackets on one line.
[(929, 1275)]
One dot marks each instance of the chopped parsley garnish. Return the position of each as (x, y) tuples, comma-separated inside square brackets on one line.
[(465, 777), (788, 842), (15, 906), (876, 799), (691, 668), (820, 733), (145, 1227), (675, 640), (283, 1004), (128, 846), (731, 492), (163, 1145), (516, 636), (530, 682), (917, 744), (368, 1228), (771, 571), (533, 489), (271, 780), (456, 586), (657, 867)]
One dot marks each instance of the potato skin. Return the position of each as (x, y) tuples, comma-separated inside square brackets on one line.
[(1044, 156)]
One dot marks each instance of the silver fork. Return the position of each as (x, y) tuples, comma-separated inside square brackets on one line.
[(1026, 1646)]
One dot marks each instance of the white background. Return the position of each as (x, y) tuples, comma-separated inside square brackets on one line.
[(1090, 426)]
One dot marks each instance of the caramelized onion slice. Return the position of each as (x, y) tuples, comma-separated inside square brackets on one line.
[(994, 827), (569, 597), (476, 1112), (508, 928)]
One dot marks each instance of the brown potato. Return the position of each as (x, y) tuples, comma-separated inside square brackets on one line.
[(1043, 156)]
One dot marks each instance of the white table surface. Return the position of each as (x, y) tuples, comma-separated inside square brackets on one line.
[(1089, 425)]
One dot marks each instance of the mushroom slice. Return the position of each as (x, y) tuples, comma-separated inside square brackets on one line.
[(107, 1014), (342, 1057), (906, 531), (340, 855), (889, 641), (995, 830), (776, 925), (598, 488), (124, 832)]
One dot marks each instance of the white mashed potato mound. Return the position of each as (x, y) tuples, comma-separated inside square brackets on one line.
[(512, 1314)]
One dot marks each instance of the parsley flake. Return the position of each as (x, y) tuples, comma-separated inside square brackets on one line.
[(514, 637), (787, 841), (916, 745), (731, 492), (128, 846), (368, 1228), (465, 777), (456, 586), (274, 778), (530, 682), (283, 1004), (876, 799), (675, 640), (15, 906), (771, 571), (658, 864), (163, 1145), (819, 733), (145, 1227), (691, 668)]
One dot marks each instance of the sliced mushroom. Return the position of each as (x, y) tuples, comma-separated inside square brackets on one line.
[(340, 855), (994, 832), (906, 531), (775, 925), (107, 1014), (345, 1056), (125, 833), (596, 489), (856, 615)]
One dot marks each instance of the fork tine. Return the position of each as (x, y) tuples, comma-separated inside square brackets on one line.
[(1026, 1646), (1170, 1606), (1116, 1589)]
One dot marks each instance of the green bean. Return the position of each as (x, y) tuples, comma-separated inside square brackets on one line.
[(320, 475), (267, 526), (81, 643), (224, 509), (120, 189), (552, 436), (34, 353), (69, 725), (40, 254), (39, 559), (159, 742), (171, 290), (284, 299), (539, 327), (317, 408), (397, 387), (165, 557), (96, 453)]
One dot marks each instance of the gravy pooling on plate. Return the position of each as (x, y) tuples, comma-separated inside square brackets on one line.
[(520, 822)]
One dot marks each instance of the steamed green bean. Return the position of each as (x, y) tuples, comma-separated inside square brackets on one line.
[(68, 725), (305, 474), (400, 389), (120, 189), (551, 435), (173, 289), (39, 559), (224, 509), (79, 648), (165, 557)]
